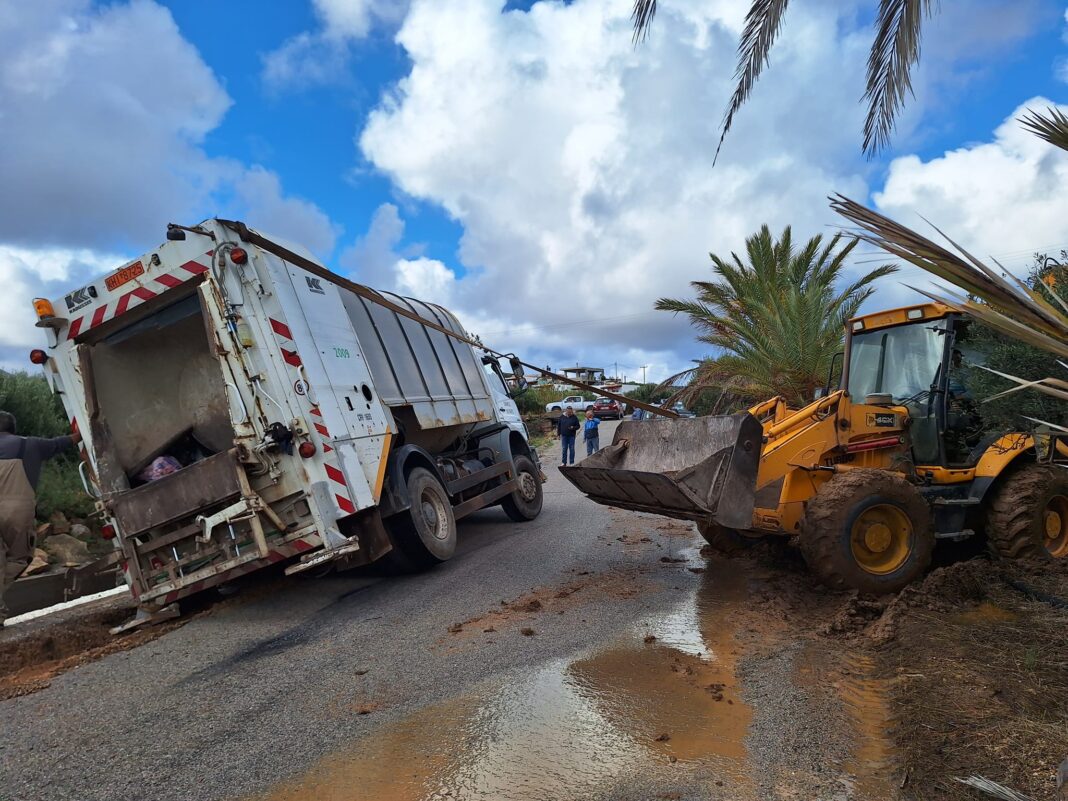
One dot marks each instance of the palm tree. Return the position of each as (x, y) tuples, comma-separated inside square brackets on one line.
[(777, 318), (894, 51)]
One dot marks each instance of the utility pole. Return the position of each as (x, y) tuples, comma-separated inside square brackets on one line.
[(644, 368)]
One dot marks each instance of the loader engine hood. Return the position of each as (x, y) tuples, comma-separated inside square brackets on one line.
[(701, 468)]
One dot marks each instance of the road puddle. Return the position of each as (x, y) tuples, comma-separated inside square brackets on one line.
[(873, 764), (649, 710)]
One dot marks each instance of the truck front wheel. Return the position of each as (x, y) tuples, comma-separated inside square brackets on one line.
[(525, 503), (426, 532)]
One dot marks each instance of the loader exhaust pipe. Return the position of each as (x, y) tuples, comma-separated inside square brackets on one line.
[(701, 468)]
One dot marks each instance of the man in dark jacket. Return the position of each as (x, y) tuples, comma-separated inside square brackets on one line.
[(567, 427), (20, 468)]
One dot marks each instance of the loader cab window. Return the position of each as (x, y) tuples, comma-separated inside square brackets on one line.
[(903, 362)]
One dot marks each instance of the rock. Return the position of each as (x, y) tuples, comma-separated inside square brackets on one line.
[(60, 524), (44, 530), (38, 564), (80, 531), (66, 550)]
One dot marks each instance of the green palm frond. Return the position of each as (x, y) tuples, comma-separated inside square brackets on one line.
[(894, 51), (1053, 126), (762, 26), (775, 320), (642, 16)]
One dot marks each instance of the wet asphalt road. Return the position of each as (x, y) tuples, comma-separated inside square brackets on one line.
[(258, 689)]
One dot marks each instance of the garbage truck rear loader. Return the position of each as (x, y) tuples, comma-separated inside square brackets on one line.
[(238, 411)]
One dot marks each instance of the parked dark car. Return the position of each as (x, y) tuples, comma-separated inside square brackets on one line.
[(607, 409)]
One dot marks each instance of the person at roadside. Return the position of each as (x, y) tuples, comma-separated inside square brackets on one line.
[(20, 468), (567, 428), (591, 435)]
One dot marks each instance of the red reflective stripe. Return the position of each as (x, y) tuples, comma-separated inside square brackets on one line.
[(124, 301), (274, 557), (336, 474), (291, 357), (75, 327), (322, 429), (195, 267), (281, 329), (301, 545), (98, 316), (144, 293), (316, 412), (326, 448), (345, 504), (169, 281)]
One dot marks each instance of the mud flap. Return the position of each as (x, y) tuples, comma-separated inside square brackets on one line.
[(701, 468)]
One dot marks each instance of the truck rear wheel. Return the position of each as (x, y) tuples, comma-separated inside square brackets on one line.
[(425, 533), (1028, 515), (525, 503), (868, 530)]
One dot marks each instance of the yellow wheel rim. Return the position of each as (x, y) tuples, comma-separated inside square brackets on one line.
[(1055, 520), (881, 538)]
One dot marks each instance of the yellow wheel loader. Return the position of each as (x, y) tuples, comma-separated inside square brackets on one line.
[(865, 478)]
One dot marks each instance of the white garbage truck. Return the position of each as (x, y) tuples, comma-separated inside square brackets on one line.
[(239, 409)]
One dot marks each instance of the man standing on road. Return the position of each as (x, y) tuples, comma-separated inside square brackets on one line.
[(566, 428), (590, 433), (20, 468)]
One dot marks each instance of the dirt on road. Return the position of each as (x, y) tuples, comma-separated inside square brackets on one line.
[(755, 683)]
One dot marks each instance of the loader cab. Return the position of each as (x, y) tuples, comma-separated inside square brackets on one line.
[(915, 358)]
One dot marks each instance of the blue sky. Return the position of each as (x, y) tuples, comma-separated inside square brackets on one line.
[(520, 163)]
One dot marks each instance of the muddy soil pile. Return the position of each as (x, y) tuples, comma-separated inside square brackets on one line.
[(976, 661)]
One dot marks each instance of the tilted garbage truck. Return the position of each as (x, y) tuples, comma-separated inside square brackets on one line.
[(240, 410)]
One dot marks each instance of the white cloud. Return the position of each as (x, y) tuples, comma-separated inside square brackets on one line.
[(26, 273), (425, 278), (580, 166), (319, 57), (103, 115), (996, 198), (261, 200)]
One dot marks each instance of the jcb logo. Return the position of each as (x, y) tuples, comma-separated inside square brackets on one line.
[(314, 285), (881, 420)]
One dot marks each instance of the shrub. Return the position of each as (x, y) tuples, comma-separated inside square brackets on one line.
[(40, 414)]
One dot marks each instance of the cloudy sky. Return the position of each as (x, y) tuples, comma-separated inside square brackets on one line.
[(520, 162)]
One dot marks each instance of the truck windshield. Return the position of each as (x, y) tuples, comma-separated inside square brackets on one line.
[(902, 361)]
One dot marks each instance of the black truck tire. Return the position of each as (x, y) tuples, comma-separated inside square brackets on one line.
[(524, 504), (725, 541), (1027, 517), (868, 530), (425, 534)]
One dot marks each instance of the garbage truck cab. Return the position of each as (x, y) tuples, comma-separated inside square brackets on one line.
[(239, 411)]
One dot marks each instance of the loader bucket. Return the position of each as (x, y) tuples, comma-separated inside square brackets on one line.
[(699, 468)]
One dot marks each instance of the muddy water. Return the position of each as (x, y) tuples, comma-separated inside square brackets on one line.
[(655, 706), (873, 764)]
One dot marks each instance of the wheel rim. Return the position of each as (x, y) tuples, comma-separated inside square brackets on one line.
[(434, 515), (881, 539), (528, 488), (1055, 520)]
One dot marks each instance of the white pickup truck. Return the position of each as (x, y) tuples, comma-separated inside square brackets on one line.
[(577, 402), (238, 411)]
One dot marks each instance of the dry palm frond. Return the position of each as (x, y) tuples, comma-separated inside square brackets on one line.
[(1007, 305), (642, 15), (894, 51), (762, 26), (993, 789), (1054, 387), (1053, 126)]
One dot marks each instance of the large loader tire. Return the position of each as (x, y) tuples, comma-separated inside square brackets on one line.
[(725, 541), (524, 504), (425, 534), (868, 530), (1027, 517)]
